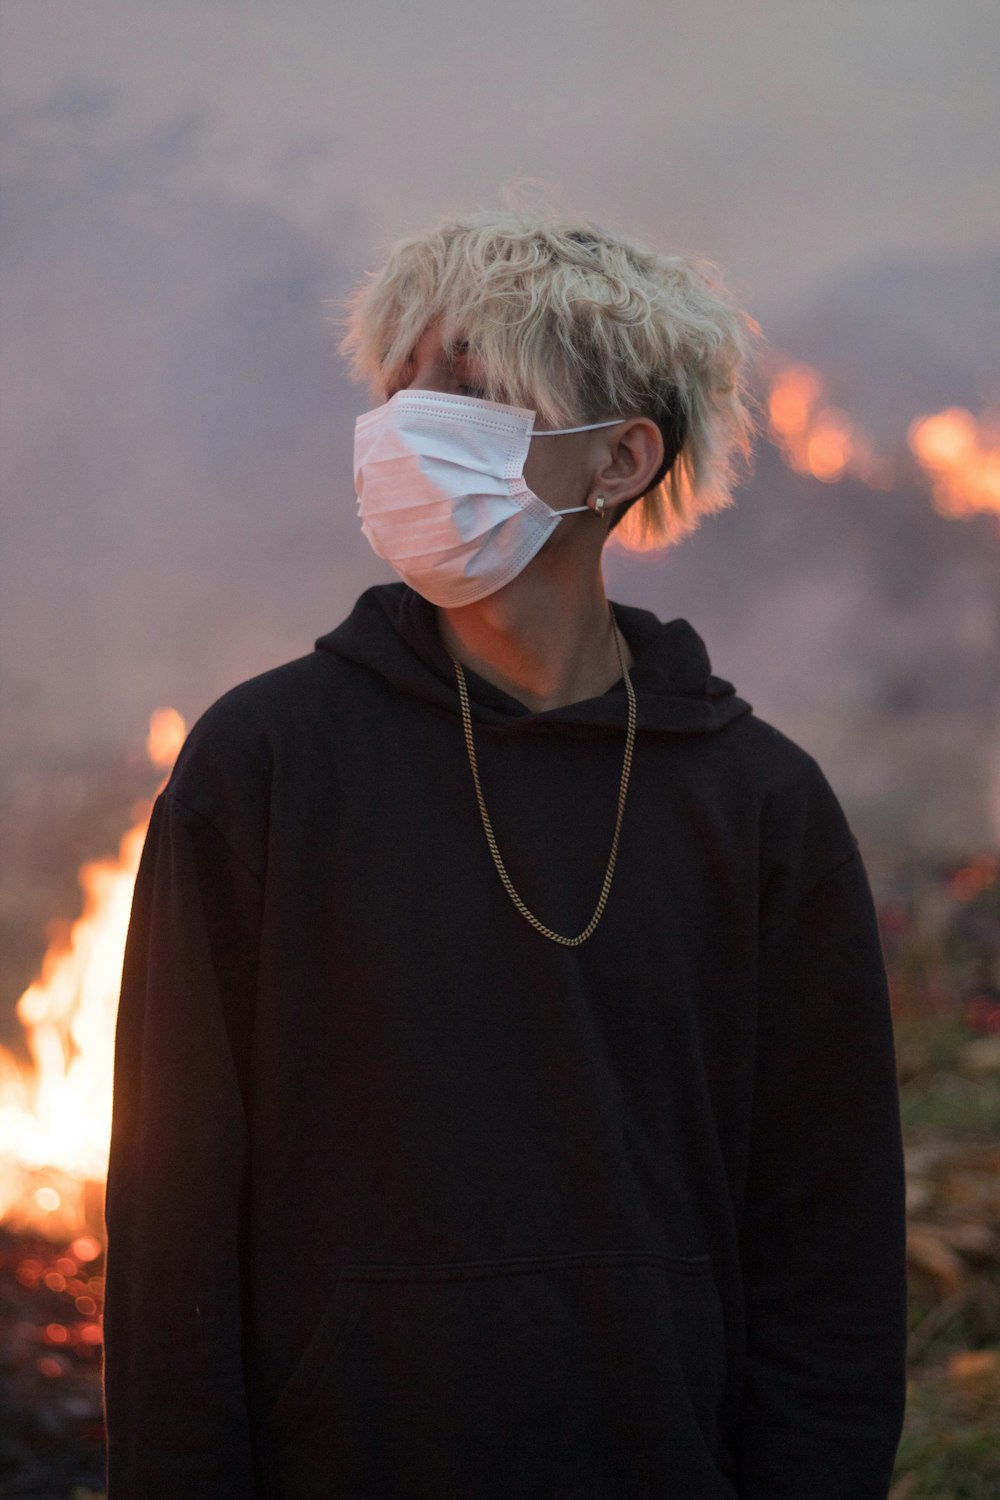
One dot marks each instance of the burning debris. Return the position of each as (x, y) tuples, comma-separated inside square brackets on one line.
[(51, 1411)]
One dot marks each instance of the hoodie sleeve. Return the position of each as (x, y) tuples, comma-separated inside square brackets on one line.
[(173, 1384), (823, 1239)]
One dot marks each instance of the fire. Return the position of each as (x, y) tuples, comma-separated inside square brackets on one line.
[(166, 736), (958, 452), (962, 455), (817, 438), (55, 1115)]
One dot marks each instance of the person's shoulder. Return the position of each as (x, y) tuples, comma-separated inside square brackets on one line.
[(782, 769), (804, 832), (225, 766), (242, 723)]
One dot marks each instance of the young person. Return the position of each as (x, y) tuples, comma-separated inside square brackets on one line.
[(505, 1097)]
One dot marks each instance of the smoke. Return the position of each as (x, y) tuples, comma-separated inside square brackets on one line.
[(179, 508), (903, 337)]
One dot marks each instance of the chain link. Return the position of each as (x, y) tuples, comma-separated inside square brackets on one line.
[(626, 767)]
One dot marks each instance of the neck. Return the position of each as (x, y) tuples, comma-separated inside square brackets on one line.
[(545, 639)]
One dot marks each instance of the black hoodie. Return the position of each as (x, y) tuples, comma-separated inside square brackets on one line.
[(408, 1202)]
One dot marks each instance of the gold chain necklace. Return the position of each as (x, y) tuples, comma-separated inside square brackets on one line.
[(629, 744)]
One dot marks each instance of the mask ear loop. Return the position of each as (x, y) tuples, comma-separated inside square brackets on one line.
[(589, 427)]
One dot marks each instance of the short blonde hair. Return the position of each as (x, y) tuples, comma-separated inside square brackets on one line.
[(578, 324)]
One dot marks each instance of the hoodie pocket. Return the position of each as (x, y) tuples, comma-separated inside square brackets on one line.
[(587, 1375)]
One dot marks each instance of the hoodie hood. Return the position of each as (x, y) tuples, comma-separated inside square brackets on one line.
[(392, 631)]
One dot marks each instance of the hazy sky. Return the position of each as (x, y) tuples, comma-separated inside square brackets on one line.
[(787, 138)]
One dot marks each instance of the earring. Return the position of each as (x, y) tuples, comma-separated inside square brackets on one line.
[(599, 505)]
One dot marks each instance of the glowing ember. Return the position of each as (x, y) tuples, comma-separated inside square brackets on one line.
[(55, 1116), (963, 458)]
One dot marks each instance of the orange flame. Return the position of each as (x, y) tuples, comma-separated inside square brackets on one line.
[(817, 438), (962, 457), (958, 452), (55, 1116), (166, 736)]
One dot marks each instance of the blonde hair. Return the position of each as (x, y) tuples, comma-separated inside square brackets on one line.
[(578, 324)]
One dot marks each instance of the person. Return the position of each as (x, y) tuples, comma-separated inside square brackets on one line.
[(504, 1093)]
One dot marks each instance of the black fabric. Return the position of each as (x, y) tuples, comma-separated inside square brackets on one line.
[(407, 1201)]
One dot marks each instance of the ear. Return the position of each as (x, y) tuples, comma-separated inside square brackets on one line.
[(629, 458)]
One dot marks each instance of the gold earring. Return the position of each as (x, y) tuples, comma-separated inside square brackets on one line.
[(599, 505)]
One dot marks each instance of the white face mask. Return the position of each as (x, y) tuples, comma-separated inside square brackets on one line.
[(442, 495)]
